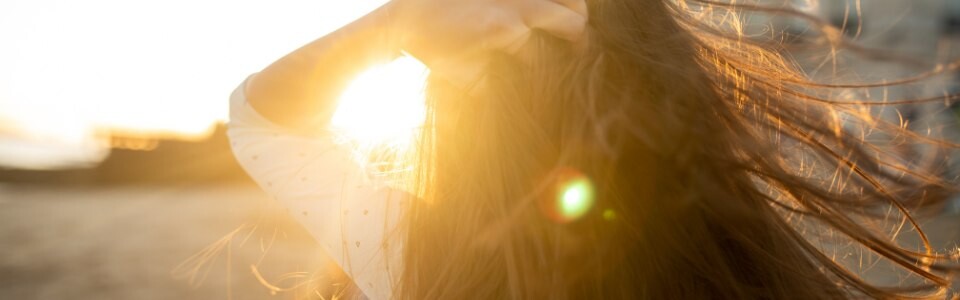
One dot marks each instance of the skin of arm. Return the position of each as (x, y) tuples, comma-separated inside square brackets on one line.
[(300, 90)]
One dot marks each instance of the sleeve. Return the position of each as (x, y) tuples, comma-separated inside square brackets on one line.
[(352, 216)]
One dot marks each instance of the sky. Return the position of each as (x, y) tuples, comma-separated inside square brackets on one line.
[(73, 72)]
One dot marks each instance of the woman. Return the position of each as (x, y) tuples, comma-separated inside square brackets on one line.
[(588, 149)]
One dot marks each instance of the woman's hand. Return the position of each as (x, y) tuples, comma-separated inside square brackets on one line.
[(452, 37)]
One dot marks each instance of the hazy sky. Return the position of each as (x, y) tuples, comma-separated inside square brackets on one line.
[(70, 69)]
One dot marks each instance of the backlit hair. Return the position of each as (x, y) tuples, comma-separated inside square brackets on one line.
[(717, 171)]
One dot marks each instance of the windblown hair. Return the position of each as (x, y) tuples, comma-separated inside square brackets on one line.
[(721, 163)]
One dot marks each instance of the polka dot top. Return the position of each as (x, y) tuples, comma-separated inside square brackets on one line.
[(352, 215)]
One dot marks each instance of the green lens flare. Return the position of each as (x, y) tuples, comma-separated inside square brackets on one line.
[(609, 215), (576, 199)]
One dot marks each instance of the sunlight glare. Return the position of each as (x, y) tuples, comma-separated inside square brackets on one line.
[(76, 73), (384, 105)]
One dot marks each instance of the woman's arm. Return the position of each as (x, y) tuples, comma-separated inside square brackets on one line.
[(300, 90), (316, 179)]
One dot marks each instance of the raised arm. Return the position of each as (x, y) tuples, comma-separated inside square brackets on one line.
[(317, 181), (300, 90)]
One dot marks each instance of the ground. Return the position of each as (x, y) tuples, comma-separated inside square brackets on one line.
[(125, 242)]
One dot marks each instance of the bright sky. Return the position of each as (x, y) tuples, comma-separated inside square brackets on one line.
[(72, 69)]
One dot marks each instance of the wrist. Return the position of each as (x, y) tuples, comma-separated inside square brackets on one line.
[(389, 27)]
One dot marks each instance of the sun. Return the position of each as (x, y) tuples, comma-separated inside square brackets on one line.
[(384, 106)]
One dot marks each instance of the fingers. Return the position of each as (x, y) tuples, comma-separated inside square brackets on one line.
[(462, 70), (556, 19), (579, 6)]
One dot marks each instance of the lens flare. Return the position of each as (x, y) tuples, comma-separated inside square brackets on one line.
[(610, 215), (572, 199)]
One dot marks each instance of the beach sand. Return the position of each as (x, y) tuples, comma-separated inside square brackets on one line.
[(125, 242)]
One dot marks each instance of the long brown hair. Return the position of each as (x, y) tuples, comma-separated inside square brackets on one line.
[(714, 162)]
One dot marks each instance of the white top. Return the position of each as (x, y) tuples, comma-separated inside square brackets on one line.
[(352, 215)]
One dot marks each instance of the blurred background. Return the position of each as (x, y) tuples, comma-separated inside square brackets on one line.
[(117, 181)]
